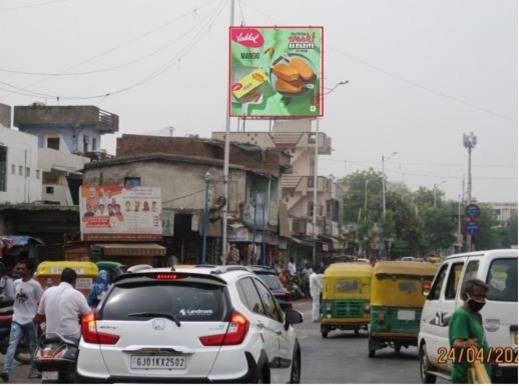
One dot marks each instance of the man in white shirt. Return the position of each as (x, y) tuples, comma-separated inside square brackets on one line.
[(316, 286), (292, 269), (63, 307), (27, 294)]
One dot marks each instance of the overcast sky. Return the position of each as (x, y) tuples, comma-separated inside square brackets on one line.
[(421, 73)]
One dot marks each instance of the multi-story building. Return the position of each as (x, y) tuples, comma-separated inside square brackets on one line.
[(503, 211), (296, 139)]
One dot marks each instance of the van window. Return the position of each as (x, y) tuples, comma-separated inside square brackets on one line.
[(502, 280), (269, 303), (471, 271), (454, 278), (249, 296), (438, 283)]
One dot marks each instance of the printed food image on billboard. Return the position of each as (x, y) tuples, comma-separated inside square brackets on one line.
[(116, 212), (275, 72)]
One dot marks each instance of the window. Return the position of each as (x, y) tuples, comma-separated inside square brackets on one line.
[(249, 296), (438, 283), (94, 144), (49, 189), (85, 143), (310, 208), (27, 172), (270, 308), (38, 174), (3, 168), (271, 280), (132, 181), (347, 285), (20, 170), (187, 302), (452, 282), (502, 280), (13, 169), (471, 271), (53, 143)]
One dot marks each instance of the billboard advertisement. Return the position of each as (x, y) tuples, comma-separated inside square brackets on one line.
[(275, 72), (116, 212)]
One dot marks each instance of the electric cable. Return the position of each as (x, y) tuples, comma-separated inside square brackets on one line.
[(32, 5)]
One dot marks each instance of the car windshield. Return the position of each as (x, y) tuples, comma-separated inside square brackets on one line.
[(271, 280), (186, 302), (502, 280)]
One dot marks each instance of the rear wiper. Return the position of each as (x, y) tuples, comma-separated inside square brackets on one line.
[(157, 314)]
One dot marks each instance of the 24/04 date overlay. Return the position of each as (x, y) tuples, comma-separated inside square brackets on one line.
[(495, 355)]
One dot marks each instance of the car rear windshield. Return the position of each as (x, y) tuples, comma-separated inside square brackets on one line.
[(185, 301), (271, 280), (502, 280)]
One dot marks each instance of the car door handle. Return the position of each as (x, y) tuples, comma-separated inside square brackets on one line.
[(260, 325)]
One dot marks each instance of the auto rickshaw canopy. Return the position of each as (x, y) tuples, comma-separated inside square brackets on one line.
[(82, 268), (347, 281), (399, 283)]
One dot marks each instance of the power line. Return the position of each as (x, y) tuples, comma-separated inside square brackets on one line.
[(32, 5), (417, 163)]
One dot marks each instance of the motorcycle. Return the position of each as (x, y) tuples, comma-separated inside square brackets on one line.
[(295, 290), (23, 353), (56, 358)]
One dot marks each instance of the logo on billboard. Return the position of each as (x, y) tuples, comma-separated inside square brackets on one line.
[(248, 37)]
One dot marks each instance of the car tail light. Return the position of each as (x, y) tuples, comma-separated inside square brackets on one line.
[(235, 334), (169, 276), (90, 333)]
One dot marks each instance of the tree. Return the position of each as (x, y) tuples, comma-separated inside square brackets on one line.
[(438, 227), (487, 237)]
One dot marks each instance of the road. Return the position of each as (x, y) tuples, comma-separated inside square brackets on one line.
[(341, 358)]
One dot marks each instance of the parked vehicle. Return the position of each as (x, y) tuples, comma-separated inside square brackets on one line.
[(498, 268), (396, 303), (48, 273), (6, 318), (271, 279), (113, 268), (56, 358), (224, 325), (345, 299)]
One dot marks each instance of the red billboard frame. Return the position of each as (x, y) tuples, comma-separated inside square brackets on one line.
[(287, 117)]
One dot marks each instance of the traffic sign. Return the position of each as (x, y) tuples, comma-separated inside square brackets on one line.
[(472, 211), (472, 227)]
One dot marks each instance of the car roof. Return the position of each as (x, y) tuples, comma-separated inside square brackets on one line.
[(502, 252), (226, 272)]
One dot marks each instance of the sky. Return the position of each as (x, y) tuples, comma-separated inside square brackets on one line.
[(421, 73)]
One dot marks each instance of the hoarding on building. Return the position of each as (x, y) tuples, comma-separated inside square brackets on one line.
[(275, 72), (116, 212)]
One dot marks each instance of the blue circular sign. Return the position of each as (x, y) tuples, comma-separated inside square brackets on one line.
[(472, 227), (472, 211)]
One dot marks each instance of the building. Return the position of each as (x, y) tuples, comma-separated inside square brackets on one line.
[(503, 211), (296, 139), (20, 175)]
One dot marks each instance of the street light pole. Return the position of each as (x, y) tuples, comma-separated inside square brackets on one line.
[(384, 197), (469, 142), (207, 178)]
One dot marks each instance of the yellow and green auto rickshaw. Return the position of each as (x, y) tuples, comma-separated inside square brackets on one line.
[(345, 299), (48, 273), (396, 303)]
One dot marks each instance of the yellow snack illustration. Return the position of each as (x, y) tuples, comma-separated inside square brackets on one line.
[(248, 83), (303, 69), (285, 72), (287, 87)]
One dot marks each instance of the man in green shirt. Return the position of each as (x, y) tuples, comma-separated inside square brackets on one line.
[(466, 328)]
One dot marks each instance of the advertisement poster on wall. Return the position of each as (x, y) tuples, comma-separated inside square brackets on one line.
[(275, 72), (116, 212)]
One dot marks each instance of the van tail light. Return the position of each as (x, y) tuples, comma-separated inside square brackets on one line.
[(426, 287), (47, 354), (235, 334), (90, 333)]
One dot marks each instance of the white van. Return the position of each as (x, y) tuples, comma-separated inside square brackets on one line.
[(497, 268)]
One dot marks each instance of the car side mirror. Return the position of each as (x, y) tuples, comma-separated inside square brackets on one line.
[(293, 317)]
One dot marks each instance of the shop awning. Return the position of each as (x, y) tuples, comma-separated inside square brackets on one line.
[(301, 242), (137, 249)]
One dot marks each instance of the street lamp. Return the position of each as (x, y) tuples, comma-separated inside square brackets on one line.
[(435, 188), (207, 179), (469, 142), (384, 158)]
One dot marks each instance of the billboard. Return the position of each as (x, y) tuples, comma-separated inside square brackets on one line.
[(116, 212), (275, 72)]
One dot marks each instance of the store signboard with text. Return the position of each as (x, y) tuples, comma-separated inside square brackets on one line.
[(275, 72), (116, 212)]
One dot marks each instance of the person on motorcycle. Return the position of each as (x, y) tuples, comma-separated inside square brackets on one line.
[(6, 285), (62, 307), (27, 295)]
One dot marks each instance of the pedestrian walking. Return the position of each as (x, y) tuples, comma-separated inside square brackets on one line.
[(98, 289), (316, 287), (466, 329), (62, 307), (6, 285), (307, 271), (27, 294)]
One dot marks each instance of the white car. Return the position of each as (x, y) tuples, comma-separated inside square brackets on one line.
[(498, 269), (201, 324)]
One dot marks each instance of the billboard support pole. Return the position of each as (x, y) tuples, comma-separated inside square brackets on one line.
[(226, 164), (314, 206)]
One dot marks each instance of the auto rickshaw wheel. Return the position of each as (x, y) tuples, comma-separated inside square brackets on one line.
[(372, 347), (324, 331), (356, 330), (397, 347)]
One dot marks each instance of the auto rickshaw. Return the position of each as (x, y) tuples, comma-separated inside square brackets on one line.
[(396, 303), (345, 299), (48, 273)]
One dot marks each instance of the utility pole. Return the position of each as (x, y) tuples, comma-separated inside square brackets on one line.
[(226, 163), (255, 203), (314, 211), (469, 142), (207, 178), (384, 199), (266, 220), (366, 200)]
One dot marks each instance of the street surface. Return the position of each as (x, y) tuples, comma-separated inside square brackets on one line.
[(341, 358)]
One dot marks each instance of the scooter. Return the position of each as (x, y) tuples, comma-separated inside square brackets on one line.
[(23, 354), (56, 358)]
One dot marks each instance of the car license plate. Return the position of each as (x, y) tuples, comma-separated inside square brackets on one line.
[(405, 315), (158, 362), (49, 376)]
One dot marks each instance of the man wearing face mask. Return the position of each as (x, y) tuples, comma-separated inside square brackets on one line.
[(466, 327)]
